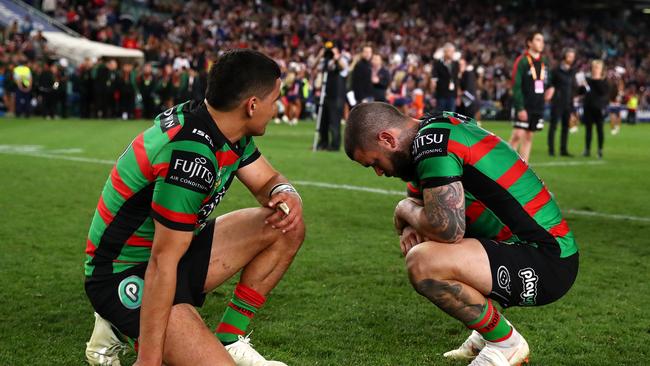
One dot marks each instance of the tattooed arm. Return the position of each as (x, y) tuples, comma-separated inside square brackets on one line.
[(442, 218)]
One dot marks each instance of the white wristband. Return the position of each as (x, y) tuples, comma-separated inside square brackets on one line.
[(284, 187)]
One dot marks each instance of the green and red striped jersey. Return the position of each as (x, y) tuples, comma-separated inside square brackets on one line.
[(504, 198), (175, 172)]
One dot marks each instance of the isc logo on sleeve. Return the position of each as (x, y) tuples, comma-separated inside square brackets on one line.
[(430, 143), (191, 170)]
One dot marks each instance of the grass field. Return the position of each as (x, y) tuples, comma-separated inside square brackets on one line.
[(346, 300)]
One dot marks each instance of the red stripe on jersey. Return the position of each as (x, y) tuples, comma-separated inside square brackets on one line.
[(137, 241), (227, 328), (160, 170), (513, 174), (141, 157), (560, 229), (538, 202), (225, 158), (504, 234), (412, 188), (90, 248), (481, 148), (459, 149), (474, 210), (454, 121), (119, 185), (179, 217), (104, 212), (173, 131)]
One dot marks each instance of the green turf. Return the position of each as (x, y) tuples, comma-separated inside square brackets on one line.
[(346, 299)]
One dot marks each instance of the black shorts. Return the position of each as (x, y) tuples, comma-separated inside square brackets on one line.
[(523, 275), (535, 122), (117, 297)]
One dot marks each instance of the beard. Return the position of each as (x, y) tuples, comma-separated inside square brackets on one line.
[(403, 166)]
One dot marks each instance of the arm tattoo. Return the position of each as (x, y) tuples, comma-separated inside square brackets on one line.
[(445, 210)]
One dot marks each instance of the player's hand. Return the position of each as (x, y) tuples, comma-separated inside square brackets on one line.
[(278, 219), (398, 218), (409, 239), (522, 115)]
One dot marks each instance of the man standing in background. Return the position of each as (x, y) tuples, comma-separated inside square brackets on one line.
[(529, 93), (469, 103), (23, 80), (445, 72), (380, 78), (361, 77), (563, 80)]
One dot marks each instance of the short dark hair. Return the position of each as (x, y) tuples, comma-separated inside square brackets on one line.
[(238, 74), (365, 121), (531, 35)]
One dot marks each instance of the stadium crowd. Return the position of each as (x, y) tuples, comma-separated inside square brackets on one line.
[(179, 40)]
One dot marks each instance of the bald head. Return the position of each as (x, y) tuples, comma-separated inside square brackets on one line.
[(366, 121)]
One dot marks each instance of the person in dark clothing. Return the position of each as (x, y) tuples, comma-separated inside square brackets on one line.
[(147, 87), (47, 90), (61, 77), (85, 89), (380, 78), (445, 72), (563, 80), (469, 103), (361, 82), (597, 91), (330, 125), (104, 84), (127, 88), (195, 88)]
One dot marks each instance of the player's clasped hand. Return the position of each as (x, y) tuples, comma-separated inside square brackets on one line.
[(278, 219), (409, 239)]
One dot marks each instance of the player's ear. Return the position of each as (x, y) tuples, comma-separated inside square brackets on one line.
[(251, 106), (387, 140)]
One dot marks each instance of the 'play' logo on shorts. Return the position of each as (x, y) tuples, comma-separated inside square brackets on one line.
[(130, 292), (529, 286)]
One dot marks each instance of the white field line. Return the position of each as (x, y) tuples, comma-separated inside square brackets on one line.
[(569, 163), (346, 187)]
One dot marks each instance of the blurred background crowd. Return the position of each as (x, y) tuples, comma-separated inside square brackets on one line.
[(398, 51)]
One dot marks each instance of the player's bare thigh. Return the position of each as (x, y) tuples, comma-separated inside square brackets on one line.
[(465, 261), (238, 237)]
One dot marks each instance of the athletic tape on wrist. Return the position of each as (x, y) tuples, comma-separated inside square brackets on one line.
[(284, 187)]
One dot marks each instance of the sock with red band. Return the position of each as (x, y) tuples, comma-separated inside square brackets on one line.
[(492, 325), (242, 307)]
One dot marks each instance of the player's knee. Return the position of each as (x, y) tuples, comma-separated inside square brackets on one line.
[(422, 264)]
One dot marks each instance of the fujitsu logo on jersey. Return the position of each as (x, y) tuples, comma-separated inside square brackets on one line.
[(191, 170), (195, 168), (435, 138), (429, 143), (529, 290)]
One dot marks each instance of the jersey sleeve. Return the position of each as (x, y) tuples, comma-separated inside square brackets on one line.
[(251, 153), (185, 174), (435, 164)]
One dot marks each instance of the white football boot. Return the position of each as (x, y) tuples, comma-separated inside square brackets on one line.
[(104, 347), (492, 355), (469, 349), (244, 354)]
